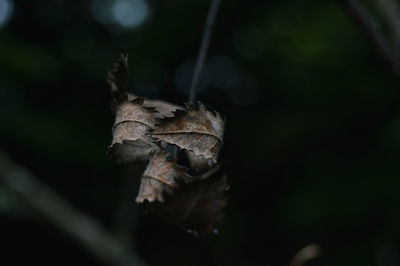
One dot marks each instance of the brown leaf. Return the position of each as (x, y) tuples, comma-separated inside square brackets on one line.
[(131, 143), (118, 80), (164, 109), (196, 130), (161, 177), (199, 162), (191, 202), (134, 118), (195, 206)]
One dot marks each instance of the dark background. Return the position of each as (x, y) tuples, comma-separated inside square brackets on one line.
[(312, 142)]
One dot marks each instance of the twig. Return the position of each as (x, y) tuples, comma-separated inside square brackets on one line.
[(84, 229), (212, 13), (391, 13), (363, 20), (305, 254)]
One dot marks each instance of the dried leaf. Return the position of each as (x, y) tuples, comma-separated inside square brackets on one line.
[(161, 177), (191, 202), (196, 130), (199, 162), (118, 81), (164, 109), (134, 118), (195, 206), (131, 143)]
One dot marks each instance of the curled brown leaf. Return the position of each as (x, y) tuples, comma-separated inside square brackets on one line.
[(131, 143), (194, 129), (142, 131), (195, 206), (161, 177), (164, 109), (134, 117), (199, 162)]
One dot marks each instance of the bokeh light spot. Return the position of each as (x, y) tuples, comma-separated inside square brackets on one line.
[(127, 14), (130, 13), (6, 8)]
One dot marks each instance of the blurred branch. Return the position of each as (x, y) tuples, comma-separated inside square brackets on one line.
[(391, 13), (212, 13), (362, 19), (83, 228), (305, 254)]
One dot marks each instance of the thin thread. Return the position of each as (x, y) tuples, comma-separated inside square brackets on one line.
[(212, 13)]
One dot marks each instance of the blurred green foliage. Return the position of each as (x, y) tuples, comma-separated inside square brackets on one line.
[(312, 155)]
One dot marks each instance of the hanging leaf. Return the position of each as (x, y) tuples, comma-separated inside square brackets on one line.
[(131, 142), (164, 109), (161, 177), (144, 129), (195, 206), (134, 117), (199, 162), (132, 120), (196, 130), (118, 79)]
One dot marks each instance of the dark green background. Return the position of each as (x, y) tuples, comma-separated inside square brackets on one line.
[(312, 143)]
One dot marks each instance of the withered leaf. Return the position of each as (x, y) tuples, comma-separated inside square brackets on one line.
[(195, 206), (134, 118), (192, 202), (160, 178), (196, 130), (131, 143), (164, 109), (199, 162)]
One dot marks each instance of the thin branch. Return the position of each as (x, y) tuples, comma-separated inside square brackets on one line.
[(363, 20), (391, 13), (84, 229), (305, 254), (212, 13)]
